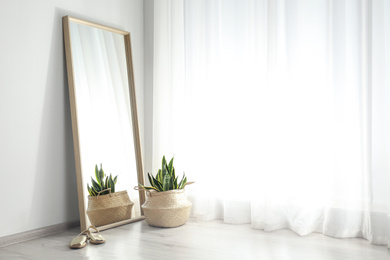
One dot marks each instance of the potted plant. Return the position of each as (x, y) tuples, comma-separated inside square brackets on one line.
[(166, 203), (105, 206)]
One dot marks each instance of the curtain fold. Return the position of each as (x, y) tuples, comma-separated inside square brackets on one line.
[(279, 110)]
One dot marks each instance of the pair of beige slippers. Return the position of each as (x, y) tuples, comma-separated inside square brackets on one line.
[(81, 240)]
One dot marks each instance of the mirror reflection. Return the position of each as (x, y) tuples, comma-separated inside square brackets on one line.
[(102, 112)]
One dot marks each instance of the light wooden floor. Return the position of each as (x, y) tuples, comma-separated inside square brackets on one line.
[(204, 240)]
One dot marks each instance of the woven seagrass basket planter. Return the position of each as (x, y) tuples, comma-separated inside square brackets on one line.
[(110, 208), (167, 208)]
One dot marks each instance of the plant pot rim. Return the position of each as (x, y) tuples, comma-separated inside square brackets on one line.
[(161, 193), (109, 194)]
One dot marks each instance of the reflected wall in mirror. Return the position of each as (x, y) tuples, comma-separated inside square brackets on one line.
[(104, 110)]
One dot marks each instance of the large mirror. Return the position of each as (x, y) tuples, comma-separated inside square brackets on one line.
[(104, 111)]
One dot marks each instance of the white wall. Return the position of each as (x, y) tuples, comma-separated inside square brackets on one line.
[(37, 172)]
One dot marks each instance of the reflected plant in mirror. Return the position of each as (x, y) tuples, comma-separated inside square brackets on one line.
[(103, 184), (105, 206)]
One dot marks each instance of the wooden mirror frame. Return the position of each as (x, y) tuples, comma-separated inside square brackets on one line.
[(134, 115)]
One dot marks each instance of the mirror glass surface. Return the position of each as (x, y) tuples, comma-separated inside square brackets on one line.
[(103, 110)]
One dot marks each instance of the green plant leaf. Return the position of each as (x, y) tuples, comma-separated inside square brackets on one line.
[(89, 189), (94, 192), (163, 163), (166, 182), (96, 185), (171, 182), (170, 167), (115, 179), (175, 186), (105, 183), (158, 175), (183, 183), (173, 173), (164, 168), (150, 180), (157, 184), (97, 175), (101, 172), (112, 184), (147, 187)]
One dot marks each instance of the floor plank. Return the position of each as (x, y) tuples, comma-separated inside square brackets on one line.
[(197, 240)]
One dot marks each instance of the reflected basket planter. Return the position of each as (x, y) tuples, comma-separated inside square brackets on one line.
[(110, 208), (167, 208)]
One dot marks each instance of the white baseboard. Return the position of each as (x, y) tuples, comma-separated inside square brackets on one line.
[(36, 233)]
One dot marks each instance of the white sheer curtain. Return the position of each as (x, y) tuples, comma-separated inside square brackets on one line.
[(279, 110)]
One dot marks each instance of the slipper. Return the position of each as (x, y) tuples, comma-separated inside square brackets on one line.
[(95, 237), (80, 241)]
